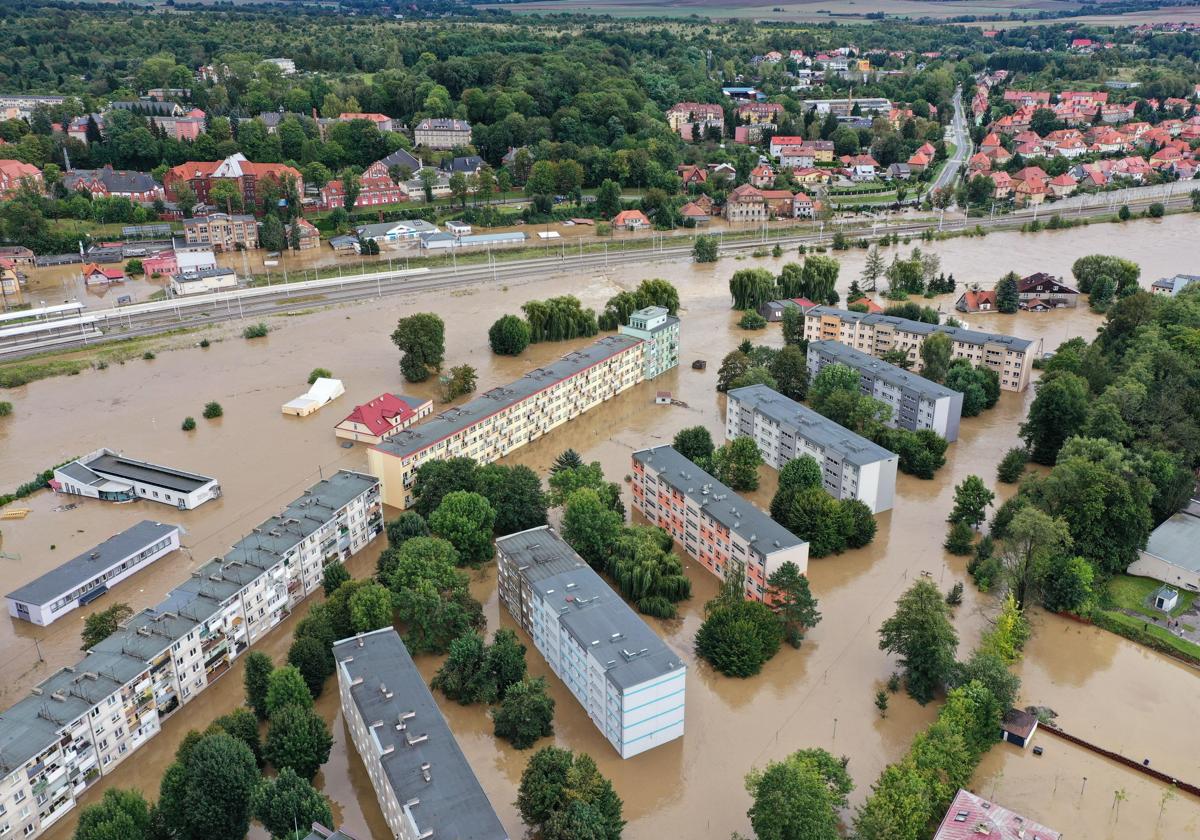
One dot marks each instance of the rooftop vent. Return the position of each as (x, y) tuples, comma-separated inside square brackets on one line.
[(383, 689), (425, 774)]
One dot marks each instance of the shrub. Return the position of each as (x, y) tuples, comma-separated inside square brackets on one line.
[(148, 355), (1123, 214), (258, 330), (752, 321), (1156, 210), (213, 410), (189, 423), (319, 373), (509, 336), (705, 249), (1013, 465), (5, 409), (204, 342), (961, 539)]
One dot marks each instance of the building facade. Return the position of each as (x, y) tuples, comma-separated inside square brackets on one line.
[(423, 782), (852, 467), (201, 176), (106, 182), (626, 678), (83, 721), (875, 334), (510, 416), (916, 402), (382, 417), (714, 525), (222, 231), (442, 133), (110, 476), (85, 578), (660, 330)]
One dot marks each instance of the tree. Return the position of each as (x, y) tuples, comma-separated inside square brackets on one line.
[(789, 369), (1067, 584), (565, 482), (475, 672), (99, 626), (799, 798), (1012, 465), (297, 738), (857, 523), (242, 724), (751, 288), (738, 638), (1009, 633), (404, 527), (971, 499), (736, 464), (466, 520), (733, 366), (461, 380), (257, 682), (207, 791), (793, 329), (437, 479), (1030, 541), (705, 249), (1058, 412), (227, 195), (794, 602), (590, 527), (422, 339), (1007, 300), (814, 516), (370, 608), (559, 789), (526, 713), (921, 633), (272, 236), (568, 459), (881, 702), (286, 687), (935, 356), (119, 815), (515, 493), (335, 575), (509, 336), (960, 539), (873, 269), (694, 443), (312, 658), (287, 801)]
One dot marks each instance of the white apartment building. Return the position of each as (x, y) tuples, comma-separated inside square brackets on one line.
[(714, 525), (629, 681), (875, 334), (83, 579), (660, 330), (84, 720), (110, 476), (917, 402), (510, 416), (852, 467), (422, 780)]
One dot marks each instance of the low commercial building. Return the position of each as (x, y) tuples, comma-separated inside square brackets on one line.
[(1171, 286), (382, 417), (852, 467), (509, 416), (971, 817), (203, 281), (712, 523), (83, 721), (83, 579), (1170, 554), (626, 678), (110, 476), (875, 334), (916, 402), (422, 780), (656, 326)]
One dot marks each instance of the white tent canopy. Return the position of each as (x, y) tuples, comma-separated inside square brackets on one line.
[(322, 392)]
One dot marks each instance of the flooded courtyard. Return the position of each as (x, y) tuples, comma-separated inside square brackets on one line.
[(1104, 688)]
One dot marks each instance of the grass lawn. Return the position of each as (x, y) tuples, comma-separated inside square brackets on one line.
[(96, 230), (1132, 593), (1182, 645)]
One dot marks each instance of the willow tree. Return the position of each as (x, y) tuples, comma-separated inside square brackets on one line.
[(751, 287)]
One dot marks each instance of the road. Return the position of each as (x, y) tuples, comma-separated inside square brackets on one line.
[(147, 319), (962, 146)]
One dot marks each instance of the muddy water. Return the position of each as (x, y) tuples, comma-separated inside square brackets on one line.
[(821, 695)]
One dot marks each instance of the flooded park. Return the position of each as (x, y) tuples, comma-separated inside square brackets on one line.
[(1105, 689)]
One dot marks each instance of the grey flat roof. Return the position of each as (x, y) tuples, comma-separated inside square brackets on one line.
[(93, 562), (24, 730), (807, 423), (921, 328), (452, 803), (453, 420), (892, 374), (1175, 541), (595, 614), (143, 472), (720, 502)]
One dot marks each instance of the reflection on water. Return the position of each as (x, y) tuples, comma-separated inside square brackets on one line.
[(822, 695)]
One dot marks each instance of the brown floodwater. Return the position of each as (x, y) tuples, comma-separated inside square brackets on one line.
[(1103, 687)]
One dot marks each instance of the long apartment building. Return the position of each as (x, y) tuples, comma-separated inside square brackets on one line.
[(852, 467), (874, 334), (714, 525), (916, 402), (510, 416), (626, 678), (425, 787), (85, 720)]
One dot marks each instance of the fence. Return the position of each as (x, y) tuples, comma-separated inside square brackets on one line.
[(1145, 769)]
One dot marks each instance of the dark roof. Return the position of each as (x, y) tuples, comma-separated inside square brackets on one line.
[(422, 763), (892, 374), (443, 124), (93, 562), (470, 163), (1019, 723), (456, 419), (153, 107), (110, 463), (921, 328), (400, 157), (114, 180)]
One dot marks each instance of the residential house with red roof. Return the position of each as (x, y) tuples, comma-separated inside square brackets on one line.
[(992, 141), (631, 220), (862, 167), (803, 206), (695, 212), (692, 175), (746, 204), (375, 421), (1027, 97), (1003, 184), (1047, 288), (779, 141), (1063, 185), (971, 817), (978, 164), (381, 121), (96, 275), (1030, 192), (762, 176), (976, 301), (871, 306), (14, 173), (373, 191)]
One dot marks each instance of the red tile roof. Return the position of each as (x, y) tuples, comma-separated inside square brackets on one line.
[(382, 414), (972, 817)]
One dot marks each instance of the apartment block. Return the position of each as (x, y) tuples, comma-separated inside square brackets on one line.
[(629, 681), (442, 133), (852, 467), (86, 719), (510, 416), (875, 334), (917, 402), (222, 231), (714, 525), (422, 780), (660, 330)]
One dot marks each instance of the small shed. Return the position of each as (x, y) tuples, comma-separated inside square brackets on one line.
[(662, 398), (458, 228), (1165, 598), (1018, 727)]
